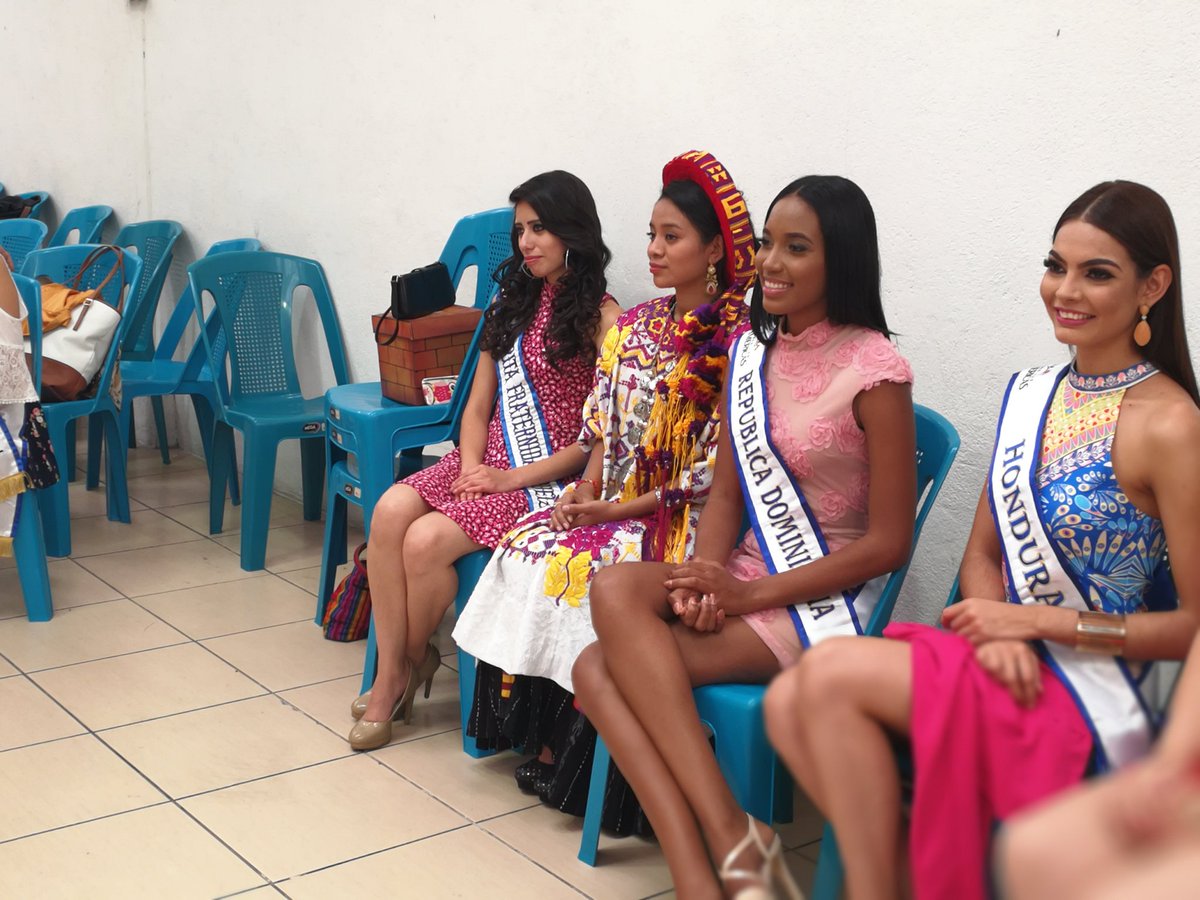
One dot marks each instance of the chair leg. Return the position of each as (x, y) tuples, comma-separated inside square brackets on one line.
[(29, 548), (205, 423), (68, 449), (333, 546), (218, 475), (827, 883), (312, 475), (258, 462), (54, 503), (116, 488), (160, 427), (589, 840), (95, 440)]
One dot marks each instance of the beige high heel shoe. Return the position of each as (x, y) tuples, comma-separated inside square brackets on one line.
[(359, 707), (366, 735), (771, 874)]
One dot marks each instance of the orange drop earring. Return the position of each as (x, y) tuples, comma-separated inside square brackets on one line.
[(1141, 331)]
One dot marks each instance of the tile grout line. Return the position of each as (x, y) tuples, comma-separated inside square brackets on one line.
[(529, 858)]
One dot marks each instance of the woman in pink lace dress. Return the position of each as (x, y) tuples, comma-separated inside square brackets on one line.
[(538, 352), (818, 405)]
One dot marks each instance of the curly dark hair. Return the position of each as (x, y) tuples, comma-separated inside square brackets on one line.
[(566, 208)]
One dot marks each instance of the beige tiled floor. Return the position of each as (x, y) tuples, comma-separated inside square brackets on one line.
[(178, 730)]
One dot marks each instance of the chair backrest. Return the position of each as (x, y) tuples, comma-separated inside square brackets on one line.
[(39, 207), (154, 242), (31, 296), (484, 240), (86, 221), (186, 311), (20, 237), (937, 445), (61, 264), (253, 296)]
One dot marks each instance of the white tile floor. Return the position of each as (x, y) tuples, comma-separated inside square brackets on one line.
[(178, 730)]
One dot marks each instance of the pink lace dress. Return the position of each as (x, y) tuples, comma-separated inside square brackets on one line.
[(562, 388), (812, 379)]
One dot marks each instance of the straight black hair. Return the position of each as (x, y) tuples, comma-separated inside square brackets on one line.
[(851, 255)]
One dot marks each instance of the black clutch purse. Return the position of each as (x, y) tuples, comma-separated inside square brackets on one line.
[(422, 291)]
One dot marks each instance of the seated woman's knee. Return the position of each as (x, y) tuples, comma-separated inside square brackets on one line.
[(613, 596), (588, 674), (782, 705), (821, 673), (396, 510)]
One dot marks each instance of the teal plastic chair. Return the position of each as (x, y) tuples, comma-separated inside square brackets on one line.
[(61, 264), (40, 198), (733, 712), (20, 237), (163, 375), (87, 222), (29, 546), (253, 293), (362, 423)]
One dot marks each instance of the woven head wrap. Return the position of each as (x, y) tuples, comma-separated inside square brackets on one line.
[(686, 398)]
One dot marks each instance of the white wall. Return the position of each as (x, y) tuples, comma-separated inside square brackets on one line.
[(358, 133)]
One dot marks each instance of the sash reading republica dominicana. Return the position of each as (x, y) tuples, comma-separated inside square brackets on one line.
[(788, 533)]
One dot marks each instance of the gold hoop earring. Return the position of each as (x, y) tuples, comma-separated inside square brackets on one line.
[(1141, 331), (710, 280)]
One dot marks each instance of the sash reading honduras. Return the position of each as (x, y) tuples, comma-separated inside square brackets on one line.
[(525, 434), (1102, 686), (787, 531)]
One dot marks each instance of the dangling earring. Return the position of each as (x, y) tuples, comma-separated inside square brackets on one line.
[(525, 269), (710, 280), (1141, 331), (567, 259)]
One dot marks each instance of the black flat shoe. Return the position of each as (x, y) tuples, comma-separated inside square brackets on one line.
[(529, 773)]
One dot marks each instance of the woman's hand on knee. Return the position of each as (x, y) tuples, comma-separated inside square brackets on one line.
[(1014, 665), (700, 613), (705, 578)]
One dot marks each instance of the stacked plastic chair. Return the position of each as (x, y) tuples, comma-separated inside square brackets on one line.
[(29, 545), (87, 222), (733, 712), (253, 293), (362, 423), (40, 198), (61, 264), (20, 237)]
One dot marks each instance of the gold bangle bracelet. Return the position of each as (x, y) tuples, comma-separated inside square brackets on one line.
[(1100, 633)]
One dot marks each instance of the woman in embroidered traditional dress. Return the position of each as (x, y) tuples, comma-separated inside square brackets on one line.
[(648, 440), (548, 322), (837, 397), (1000, 727)]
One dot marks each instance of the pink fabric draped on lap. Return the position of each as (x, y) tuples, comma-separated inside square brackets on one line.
[(979, 756)]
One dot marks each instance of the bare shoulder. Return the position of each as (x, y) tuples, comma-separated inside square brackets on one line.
[(1167, 420)]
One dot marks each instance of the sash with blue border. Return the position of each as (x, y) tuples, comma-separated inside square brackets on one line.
[(1102, 686), (526, 436), (787, 531)]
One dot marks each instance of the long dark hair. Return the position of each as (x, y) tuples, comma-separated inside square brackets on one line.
[(566, 209), (1142, 222), (851, 255), (693, 202)]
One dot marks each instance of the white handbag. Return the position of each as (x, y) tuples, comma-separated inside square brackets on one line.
[(74, 353)]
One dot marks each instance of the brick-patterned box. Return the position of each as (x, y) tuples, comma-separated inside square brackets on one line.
[(424, 347)]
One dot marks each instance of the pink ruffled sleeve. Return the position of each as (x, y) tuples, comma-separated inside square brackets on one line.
[(877, 360)]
